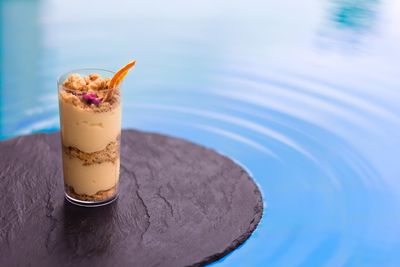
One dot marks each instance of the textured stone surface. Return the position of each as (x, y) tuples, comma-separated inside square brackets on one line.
[(180, 204)]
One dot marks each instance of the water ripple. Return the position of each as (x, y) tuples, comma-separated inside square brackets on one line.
[(234, 120), (346, 97), (238, 138)]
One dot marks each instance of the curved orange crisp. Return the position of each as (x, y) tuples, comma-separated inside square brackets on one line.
[(117, 79)]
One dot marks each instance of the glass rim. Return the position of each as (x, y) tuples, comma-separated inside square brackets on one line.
[(79, 70)]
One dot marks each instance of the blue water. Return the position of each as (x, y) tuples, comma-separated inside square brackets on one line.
[(304, 94)]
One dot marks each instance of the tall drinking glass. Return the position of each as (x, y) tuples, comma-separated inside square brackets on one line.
[(90, 126)]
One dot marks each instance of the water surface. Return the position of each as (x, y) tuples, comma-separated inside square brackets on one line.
[(304, 94)]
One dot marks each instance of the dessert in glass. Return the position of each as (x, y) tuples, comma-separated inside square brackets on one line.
[(90, 126)]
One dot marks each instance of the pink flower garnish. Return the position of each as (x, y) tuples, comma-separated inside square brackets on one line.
[(91, 98)]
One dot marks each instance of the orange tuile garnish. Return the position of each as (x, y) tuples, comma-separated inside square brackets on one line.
[(117, 79)]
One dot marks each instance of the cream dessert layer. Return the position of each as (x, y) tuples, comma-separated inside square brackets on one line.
[(88, 130), (90, 179), (88, 122)]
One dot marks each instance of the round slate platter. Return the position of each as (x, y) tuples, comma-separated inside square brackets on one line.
[(180, 204)]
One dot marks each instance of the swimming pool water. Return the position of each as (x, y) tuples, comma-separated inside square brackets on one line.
[(304, 94)]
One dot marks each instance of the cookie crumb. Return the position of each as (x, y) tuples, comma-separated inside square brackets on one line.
[(88, 92)]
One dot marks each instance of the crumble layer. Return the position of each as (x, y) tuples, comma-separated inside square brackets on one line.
[(98, 196), (75, 99), (75, 86), (109, 154)]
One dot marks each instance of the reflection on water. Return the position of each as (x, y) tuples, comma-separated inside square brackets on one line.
[(317, 128), (359, 15), (349, 23)]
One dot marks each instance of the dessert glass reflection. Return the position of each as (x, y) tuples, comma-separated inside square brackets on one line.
[(90, 124)]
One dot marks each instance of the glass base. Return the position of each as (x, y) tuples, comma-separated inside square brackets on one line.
[(89, 204)]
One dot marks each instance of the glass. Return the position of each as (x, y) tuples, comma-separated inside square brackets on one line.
[(90, 137)]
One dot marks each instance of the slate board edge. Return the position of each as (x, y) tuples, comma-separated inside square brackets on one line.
[(235, 243), (254, 222)]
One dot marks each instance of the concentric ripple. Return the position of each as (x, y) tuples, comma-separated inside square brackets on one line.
[(304, 96)]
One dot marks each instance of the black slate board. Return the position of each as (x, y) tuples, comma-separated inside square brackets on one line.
[(180, 204)]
